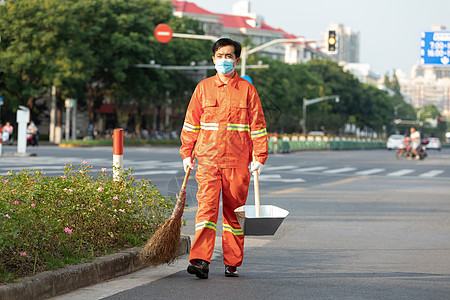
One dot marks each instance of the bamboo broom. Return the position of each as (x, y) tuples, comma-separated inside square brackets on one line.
[(162, 247)]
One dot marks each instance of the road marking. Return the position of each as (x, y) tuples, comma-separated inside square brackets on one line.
[(277, 177), (431, 173), (311, 169), (370, 171), (345, 180), (401, 172), (288, 191), (279, 168), (341, 170)]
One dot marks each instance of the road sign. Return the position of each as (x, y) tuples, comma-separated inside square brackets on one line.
[(1, 101), (163, 33), (435, 48)]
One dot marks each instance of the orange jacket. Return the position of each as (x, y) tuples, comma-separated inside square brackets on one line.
[(225, 123)]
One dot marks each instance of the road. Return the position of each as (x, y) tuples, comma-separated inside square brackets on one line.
[(362, 225)]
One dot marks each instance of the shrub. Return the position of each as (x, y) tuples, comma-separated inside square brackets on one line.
[(46, 222)]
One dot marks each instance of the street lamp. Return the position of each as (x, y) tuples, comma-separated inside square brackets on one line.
[(246, 52), (307, 102)]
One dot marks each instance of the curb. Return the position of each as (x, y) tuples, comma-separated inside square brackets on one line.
[(54, 283)]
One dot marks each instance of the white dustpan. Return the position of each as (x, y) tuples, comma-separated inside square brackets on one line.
[(260, 219)]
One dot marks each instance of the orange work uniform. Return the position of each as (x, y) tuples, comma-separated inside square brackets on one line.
[(225, 123)]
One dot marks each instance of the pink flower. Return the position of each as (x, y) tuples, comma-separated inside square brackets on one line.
[(18, 212), (103, 170), (82, 172), (64, 177), (100, 189), (7, 216), (65, 190), (6, 181), (90, 167), (116, 197), (16, 202), (122, 210), (128, 201), (23, 253), (68, 230), (70, 190), (84, 162), (33, 205)]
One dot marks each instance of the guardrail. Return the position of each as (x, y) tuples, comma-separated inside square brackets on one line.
[(293, 143)]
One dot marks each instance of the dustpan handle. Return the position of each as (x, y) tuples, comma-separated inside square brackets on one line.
[(256, 185)]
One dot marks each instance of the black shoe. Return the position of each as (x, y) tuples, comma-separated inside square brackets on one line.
[(231, 271), (200, 268)]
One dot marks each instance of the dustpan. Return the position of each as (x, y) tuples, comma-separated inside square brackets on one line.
[(260, 219)]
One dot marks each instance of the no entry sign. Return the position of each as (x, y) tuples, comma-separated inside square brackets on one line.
[(163, 33)]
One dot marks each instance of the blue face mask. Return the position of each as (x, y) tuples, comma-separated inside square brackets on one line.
[(224, 66)]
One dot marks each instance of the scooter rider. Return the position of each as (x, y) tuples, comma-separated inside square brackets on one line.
[(415, 141)]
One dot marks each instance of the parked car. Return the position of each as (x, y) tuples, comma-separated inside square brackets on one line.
[(434, 143), (395, 141)]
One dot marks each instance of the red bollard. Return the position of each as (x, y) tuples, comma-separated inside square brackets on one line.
[(117, 153)]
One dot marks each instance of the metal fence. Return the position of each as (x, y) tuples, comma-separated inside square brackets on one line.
[(292, 143)]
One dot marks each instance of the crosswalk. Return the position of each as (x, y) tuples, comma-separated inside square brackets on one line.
[(55, 165)]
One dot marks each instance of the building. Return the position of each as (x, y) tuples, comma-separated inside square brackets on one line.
[(363, 72), (244, 25), (347, 43), (427, 85)]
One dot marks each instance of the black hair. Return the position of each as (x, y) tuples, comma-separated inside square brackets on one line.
[(227, 42)]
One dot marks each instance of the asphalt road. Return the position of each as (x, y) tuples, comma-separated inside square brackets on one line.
[(362, 225)]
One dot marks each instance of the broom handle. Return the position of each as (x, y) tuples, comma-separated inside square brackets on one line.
[(256, 185), (188, 172)]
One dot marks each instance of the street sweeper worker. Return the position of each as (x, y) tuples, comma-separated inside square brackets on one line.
[(225, 127)]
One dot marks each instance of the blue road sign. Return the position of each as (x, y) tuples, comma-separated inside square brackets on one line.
[(435, 48), (1, 100)]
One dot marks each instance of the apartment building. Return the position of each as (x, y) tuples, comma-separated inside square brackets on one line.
[(242, 24)]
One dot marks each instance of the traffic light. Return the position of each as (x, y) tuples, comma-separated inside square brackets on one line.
[(331, 41)]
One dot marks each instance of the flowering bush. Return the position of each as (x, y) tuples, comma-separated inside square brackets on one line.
[(43, 218)]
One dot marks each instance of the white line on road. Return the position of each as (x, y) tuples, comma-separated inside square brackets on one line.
[(401, 172), (370, 171), (431, 173), (341, 170), (311, 169), (279, 168), (277, 178)]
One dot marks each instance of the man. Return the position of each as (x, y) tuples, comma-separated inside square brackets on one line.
[(224, 127), (415, 141)]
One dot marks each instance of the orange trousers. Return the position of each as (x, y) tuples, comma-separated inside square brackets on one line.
[(234, 185)]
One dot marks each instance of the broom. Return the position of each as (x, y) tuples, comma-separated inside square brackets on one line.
[(162, 247)]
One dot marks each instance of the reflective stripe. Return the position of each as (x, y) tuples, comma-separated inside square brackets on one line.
[(189, 127), (238, 127), (258, 133), (232, 230), (209, 126), (205, 224)]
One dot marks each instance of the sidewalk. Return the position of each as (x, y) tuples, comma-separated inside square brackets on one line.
[(53, 283)]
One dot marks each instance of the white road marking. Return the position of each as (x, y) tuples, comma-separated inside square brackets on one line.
[(401, 172), (311, 169), (341, 170), (277, 178), (431, 173), (370, 171)]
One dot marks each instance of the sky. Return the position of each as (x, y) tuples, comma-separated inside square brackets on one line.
[(389, 29)]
